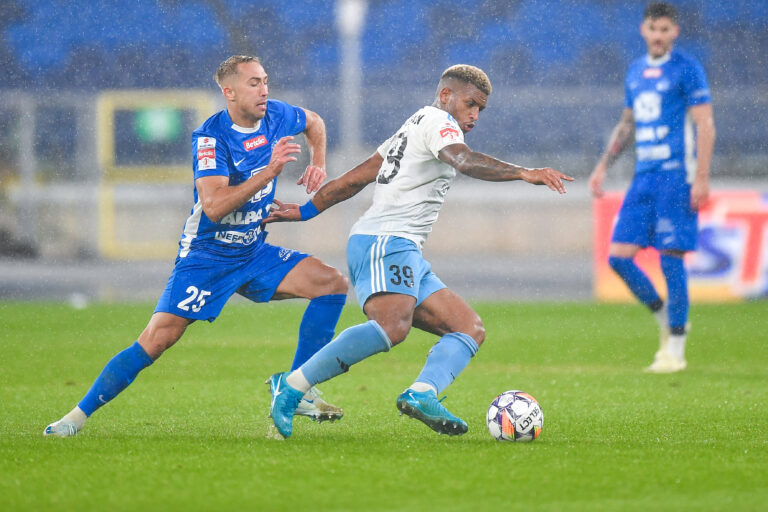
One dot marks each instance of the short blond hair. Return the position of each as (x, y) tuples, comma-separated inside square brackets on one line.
[(470, 75), (229, 67)]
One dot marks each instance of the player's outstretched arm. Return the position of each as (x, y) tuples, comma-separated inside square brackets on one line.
[(219, 198), (315, 136), (335, 191), (484, 167), (621, 135)]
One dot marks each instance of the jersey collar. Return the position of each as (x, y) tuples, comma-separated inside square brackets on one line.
[(242, 129), (658, 61)]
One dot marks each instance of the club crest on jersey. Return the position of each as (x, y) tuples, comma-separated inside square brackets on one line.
[(652, 72), (255, 143), (450, 133)]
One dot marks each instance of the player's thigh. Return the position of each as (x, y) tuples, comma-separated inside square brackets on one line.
[(636, 219), (199, 287), (393, 312), (389, 264), (444, 312), (677, 223), (162, 332), (311, 278)]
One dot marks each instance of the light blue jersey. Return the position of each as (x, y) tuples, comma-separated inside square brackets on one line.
[(659, 92)]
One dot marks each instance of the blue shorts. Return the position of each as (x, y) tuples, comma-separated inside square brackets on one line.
[(201, 284), (389, 264), (657, 213)]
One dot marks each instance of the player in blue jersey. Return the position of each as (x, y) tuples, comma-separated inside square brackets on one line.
[(237, 155), (394, 284), (668, 108)]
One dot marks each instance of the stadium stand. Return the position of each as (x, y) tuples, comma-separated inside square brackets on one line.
[(91, 45), (164, 42)]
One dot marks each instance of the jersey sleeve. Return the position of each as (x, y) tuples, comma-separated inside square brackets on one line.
[(210, 156), (294, 119), (384, 147), (440, 131), (694, 84)]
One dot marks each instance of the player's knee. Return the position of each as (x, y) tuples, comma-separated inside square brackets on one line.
[(159, 336), (397, 329), (339, 283), (476, 330), (617, 262)]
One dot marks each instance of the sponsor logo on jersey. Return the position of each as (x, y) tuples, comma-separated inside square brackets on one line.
[(241, 218), (206, 142), (284, 254), (449, 133), (254, 143), (206, 158), (236, 237), (652, 72)]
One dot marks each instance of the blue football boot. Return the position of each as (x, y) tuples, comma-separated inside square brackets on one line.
[(285, 399), (425, 407)]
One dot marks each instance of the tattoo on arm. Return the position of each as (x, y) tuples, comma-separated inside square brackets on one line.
[(620, 136), (479, 165)]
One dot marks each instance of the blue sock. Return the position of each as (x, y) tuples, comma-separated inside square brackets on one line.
[(446, 360), (350, 347), (636, 280), (115, 377), (677, 289), (317, 326)]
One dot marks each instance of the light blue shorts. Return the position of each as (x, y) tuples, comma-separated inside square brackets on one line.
[(389, 264)]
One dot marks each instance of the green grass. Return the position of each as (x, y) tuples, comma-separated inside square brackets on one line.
[(191, 432)]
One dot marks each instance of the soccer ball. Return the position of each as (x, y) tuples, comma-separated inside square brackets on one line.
[(515, 416)]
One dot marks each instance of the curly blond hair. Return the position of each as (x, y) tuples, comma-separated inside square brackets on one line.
[(470, 75)]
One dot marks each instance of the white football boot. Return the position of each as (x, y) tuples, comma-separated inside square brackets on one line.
[(666, 362), (61, 428), (317, 409), (670, 357)]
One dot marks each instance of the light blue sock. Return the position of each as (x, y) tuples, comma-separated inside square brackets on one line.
[(636, 280), (446, 360), (115, 377), (350, 347), (677, 289), (317, 326)]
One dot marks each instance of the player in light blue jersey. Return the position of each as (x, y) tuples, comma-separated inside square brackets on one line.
[(394, 284), (237, 155), (668, 108)]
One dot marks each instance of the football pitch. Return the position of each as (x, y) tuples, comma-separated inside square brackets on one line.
[(191, 432)]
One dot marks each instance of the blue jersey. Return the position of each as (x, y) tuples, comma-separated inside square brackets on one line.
[(221, 148), (659, 92)]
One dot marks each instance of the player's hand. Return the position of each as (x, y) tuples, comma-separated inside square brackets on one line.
[(547, 176), (596, 181), (699, 194), (281, 154), (312, 178), (285, 212)]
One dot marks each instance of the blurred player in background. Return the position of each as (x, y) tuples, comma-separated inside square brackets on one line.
[(395, 286), (668, 109), (237, 155)]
